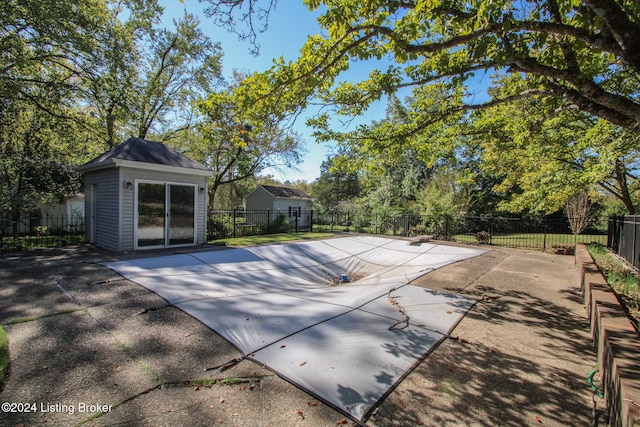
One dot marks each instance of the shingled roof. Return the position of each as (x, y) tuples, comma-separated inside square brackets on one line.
[(143, 151), (286, 192)]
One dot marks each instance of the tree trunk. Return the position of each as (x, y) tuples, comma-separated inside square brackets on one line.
[(620, 175)]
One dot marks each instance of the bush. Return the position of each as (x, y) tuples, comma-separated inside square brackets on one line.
[(483, 237), (219, 227), (360, 223), (279, 224)]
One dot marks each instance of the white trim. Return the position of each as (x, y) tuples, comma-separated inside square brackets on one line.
[(167, 221), (144, 165)]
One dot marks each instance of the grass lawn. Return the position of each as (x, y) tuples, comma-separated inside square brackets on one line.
[(621, 278), (518, 240), (29, 242), (269, 238), (535, 240)]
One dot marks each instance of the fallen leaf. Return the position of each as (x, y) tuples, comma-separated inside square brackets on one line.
[(242, 387), (303, 363), (448, 311), (313, 403), (196, 388), (404, 406), (420, 423), (342, 421), (538, 419), (421, 325), (119, 368)]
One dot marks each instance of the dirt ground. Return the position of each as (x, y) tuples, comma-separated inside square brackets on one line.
[(85, 352)]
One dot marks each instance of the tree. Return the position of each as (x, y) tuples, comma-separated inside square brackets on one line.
[(334, 185), (44, 45), (34, 160), (551, 151), (45, 48), (580, 51), (182, 66), (78, 78), (578, 209), (238, 143), (144, 79), (442, 199)]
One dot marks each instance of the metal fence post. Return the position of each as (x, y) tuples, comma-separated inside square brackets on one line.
[(634, 258), (491, 230), (234, 223)]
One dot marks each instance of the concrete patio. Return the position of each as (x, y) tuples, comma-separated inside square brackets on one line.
[(83, 342)]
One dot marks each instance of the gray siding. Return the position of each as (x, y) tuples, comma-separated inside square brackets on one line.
[(259, 199), (128, 201), (114, 215), (106, 218)]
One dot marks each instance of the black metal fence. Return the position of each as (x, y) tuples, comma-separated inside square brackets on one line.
[(622, 234), (533, 233), (41, 231), (624, 238), (226, 223), (553, 234)]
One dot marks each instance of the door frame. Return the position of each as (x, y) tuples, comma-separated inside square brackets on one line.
[(167, 222)]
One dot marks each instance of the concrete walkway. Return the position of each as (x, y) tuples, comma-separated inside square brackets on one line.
[(84, 352)]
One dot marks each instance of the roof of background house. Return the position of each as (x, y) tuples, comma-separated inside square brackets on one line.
[(286, 192), (141, 150)]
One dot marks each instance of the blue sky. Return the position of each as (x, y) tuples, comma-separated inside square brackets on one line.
[(289, 25), (288, 28)]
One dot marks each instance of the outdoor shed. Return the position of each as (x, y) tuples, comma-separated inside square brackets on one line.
[(292, 202), (142, 194)]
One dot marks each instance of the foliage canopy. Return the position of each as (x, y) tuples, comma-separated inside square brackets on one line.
[(581, 51)]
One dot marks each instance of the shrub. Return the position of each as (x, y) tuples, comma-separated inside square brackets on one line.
[(483, 237), (279, 224), (219, 227)]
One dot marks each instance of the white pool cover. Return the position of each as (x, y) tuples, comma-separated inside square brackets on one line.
[(284, 306)]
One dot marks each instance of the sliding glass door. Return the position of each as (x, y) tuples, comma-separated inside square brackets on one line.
[(181, 214), (151, 214), (166, 214)]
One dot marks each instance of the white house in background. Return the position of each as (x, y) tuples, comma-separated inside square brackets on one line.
[(142, 194), (292, 202), (67, 215), (71, 209)]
